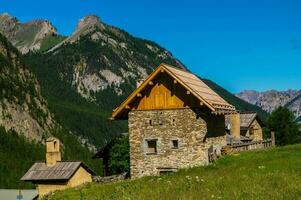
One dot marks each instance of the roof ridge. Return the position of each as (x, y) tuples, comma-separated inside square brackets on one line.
[(181, 69)]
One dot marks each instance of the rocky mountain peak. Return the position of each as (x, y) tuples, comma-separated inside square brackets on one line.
[(87, 25), (6, 16), (27, 36), (7, 23), (88, 21), (45, 26), (84, 26)]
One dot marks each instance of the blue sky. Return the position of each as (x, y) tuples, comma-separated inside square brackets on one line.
[(239, 44)]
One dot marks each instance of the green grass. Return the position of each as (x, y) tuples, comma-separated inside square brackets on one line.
[(50, 41), (265, 174)]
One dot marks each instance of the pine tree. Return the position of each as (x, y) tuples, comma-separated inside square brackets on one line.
[(282, 121)]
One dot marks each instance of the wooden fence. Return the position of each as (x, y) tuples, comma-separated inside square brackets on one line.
[(246, 146)]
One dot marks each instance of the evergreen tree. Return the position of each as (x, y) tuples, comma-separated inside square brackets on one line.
[(286, 129)]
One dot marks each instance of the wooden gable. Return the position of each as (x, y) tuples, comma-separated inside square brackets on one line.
[(171, 88), (165, 93)]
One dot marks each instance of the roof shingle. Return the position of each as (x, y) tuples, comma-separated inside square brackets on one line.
[(61, 171)]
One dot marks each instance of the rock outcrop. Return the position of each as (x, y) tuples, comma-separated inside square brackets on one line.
[(25, 36), (272, 99), (22, 108)]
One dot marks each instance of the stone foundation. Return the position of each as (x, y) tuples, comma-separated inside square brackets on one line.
[(195, 131)]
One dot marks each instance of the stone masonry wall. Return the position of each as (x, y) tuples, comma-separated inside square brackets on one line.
[(196, 130)]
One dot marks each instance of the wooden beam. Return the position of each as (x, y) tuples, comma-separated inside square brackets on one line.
[(162, 70), (139, 95), (188, 92), (127, 107), (151, 83), (175, 81), (201, 103)]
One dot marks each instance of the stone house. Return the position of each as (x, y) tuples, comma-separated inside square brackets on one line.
[(244, 127), (175, 121), (55, 174)]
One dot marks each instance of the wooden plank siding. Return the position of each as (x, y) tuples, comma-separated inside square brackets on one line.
[(165, 94)]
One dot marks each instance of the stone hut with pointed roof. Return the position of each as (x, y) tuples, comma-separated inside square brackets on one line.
[(55, 174), (175, 121), (244, 126)]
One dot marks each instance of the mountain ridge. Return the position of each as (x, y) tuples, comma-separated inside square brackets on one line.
[(28, 36), (271, 99), (92, 70)]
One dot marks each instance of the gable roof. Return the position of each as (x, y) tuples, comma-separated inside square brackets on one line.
[(190, 82), (61, 171), (246, 119)]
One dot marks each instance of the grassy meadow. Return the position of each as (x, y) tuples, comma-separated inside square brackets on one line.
[(262, 174)]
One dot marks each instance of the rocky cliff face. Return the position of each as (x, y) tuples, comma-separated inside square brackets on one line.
[(26, 36), (272, 99), (22, 109)]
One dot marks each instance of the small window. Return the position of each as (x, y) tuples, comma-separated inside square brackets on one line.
[(150, 122), (166, 172), (175, 144), (151, 146), (251, 132)]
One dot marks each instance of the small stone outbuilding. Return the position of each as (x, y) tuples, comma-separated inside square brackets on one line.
[(55, 174), (175, 121), (244, 127)]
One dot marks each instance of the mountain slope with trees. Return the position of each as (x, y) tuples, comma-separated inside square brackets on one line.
[(26, 121), (88, 74)]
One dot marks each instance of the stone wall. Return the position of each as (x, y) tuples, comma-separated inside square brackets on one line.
[(110, 179), (195, 130)]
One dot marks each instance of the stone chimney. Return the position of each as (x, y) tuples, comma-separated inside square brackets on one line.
[(53, 153), (235, 125)]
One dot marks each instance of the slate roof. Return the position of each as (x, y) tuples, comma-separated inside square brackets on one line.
[(192, 83), (246, 119), (61, 171)]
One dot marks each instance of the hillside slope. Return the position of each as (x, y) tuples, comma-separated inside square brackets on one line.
[(265, 174)]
